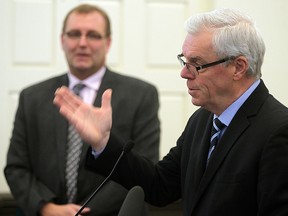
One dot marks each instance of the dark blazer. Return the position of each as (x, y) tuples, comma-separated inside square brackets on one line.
[(35, 169), (246, 175)]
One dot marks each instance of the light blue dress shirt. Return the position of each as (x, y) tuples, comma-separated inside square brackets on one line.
[(228, 114)]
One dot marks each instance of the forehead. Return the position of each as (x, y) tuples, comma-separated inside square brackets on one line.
[(198, 45), (86, 21)]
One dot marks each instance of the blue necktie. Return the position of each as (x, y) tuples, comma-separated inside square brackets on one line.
[(215, 133)]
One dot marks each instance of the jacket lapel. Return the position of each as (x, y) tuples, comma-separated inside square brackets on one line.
[(235, 129), (107, 82), (198, 157), (61, 126)]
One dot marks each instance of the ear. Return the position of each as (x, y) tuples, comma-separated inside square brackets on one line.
[(62, 39), (108, 43), (241, 67)]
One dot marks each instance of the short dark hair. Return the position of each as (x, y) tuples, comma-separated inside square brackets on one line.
[(86, 9)]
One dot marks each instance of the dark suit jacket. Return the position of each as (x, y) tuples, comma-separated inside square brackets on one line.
[(246, 175), (35, 169)]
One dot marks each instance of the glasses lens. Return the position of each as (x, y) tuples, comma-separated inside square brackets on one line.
[(182, 63), (74, 35)]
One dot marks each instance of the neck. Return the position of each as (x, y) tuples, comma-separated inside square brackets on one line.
[(239, 88)]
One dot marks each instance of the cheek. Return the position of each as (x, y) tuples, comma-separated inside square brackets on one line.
[(67, 48), (99, 52), (206, 86), (96, 48), (208, 90), (220, 87)]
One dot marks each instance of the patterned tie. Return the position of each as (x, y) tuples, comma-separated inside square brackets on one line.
[(74, 146), (216, 129)]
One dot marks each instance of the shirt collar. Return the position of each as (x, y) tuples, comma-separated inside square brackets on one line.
[(92, 81), (227, 116)]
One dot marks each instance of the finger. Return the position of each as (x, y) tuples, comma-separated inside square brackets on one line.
[(67, 102), (64, 97), (86, 210), (72, 100), (106, 99), (60, 97)]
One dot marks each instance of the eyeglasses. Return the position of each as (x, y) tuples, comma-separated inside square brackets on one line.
[(200, 67), (92, 36)]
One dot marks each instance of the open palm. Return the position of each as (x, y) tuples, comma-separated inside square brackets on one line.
[(92, 123)]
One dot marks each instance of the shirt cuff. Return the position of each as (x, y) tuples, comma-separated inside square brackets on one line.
[(96, 154)]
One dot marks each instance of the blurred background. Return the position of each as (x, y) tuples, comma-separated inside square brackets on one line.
[(147, 35)]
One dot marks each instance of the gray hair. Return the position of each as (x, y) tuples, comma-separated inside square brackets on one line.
[(235, 34)]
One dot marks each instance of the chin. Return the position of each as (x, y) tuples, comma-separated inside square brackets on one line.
[(195, 102), (82, 64), (82, 67)]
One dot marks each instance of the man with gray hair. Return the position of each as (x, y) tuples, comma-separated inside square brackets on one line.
[(232, 157)]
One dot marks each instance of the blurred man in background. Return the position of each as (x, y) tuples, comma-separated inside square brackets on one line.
[(40, 165)]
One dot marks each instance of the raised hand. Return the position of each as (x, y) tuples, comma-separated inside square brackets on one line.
[(92, 123)]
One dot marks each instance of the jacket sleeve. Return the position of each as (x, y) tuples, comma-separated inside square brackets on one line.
[(273, 175), (160, 182), (146, 130), (28, 191)]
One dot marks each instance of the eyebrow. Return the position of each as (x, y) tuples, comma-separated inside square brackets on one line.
[(195, 59), (88, 31)]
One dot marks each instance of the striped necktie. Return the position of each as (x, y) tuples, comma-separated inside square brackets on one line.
[(74, 147), (215, 132)]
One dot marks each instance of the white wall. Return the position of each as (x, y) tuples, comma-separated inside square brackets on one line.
[(147, 35)]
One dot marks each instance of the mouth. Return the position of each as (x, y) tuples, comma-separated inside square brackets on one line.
[(192, 91), (191, 87), (81, 56)]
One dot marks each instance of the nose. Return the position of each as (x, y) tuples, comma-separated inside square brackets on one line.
[(83, 40), (186, 74)]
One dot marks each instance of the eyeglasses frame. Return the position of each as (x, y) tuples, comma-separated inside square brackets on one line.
[(88, 36), (200, 67)]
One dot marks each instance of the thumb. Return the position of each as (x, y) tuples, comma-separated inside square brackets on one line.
[(106, 99)]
